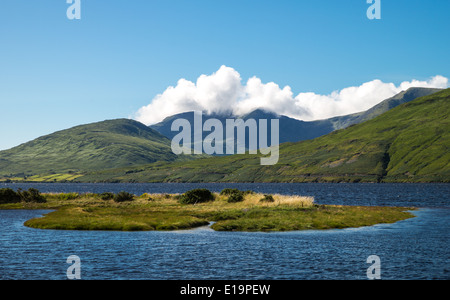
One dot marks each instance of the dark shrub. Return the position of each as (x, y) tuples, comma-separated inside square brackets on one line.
[(197, 196), (8, 195), (228, 191), (107, 196), (267, 198), (236, 196), (32, 195), (123, 197)]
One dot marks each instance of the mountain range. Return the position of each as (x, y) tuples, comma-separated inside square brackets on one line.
[(409, 143), (293, 130), (373, 150)]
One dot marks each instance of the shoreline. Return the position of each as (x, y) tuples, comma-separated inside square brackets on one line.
[(164, 212), (321, 180)]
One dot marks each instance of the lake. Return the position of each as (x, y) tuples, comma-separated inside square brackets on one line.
[(417, 248)]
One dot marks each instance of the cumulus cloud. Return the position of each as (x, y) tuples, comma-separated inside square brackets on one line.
[(224, 92)]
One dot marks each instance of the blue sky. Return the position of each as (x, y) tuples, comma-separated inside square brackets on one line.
[(56, 73)]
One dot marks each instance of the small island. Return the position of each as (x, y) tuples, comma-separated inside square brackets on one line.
[(229, 210)]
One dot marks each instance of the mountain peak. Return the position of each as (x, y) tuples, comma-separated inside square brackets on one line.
[(260, 114), (100, 145), (416, 92)]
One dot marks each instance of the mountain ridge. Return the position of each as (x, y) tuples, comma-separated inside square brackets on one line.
[(124, 144), (341, 122), (294, 130), (408, 143)]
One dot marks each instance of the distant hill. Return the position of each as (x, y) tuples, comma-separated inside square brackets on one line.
[(409, 143), (293, 130), (97, 146)]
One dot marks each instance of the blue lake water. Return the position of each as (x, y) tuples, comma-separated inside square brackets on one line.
[(417, 248)]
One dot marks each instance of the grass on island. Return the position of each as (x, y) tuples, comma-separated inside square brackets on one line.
[(165, 212)]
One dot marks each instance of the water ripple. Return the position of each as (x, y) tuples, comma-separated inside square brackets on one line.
[(412, 249)]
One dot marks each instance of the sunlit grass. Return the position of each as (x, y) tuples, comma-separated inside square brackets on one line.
[(164, 212)]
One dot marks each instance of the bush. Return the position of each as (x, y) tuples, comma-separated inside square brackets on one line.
[(196, 196), (236, 196), (228, 191), (123, 197), (107, 196), (267, 198), (32, 195), (8, 195)]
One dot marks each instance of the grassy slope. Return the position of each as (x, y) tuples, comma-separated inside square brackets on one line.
[(408, 143), (107, 144), (384, 106)]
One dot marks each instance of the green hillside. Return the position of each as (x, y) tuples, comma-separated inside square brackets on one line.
[(384, 106), (409, 143), (293, 130), (97, 146)]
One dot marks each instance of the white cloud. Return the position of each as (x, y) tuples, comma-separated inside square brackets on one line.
[(218, 92), (223, 91)]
